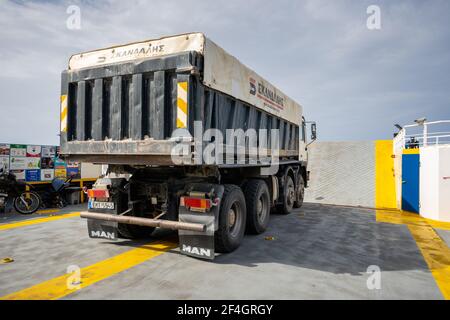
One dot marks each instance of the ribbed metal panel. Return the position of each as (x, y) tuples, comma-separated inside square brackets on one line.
[(116, 108), (80, 110), (128, 103), (97, 110)]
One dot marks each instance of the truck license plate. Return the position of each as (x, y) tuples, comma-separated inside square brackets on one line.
[(103, 205)]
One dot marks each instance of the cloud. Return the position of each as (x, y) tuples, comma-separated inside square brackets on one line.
[(355, 82)]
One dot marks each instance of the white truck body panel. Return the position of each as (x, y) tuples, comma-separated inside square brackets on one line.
[(138, 50)]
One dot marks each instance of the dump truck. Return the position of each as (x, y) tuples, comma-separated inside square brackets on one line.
[(192, 139)]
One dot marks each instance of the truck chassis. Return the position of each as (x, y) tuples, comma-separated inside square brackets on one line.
[(210, 207)]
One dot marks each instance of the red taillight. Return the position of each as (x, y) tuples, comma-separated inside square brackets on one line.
[(98, 193), (195, 203)]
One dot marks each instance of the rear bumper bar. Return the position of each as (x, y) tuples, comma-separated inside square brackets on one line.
[(165, 224)]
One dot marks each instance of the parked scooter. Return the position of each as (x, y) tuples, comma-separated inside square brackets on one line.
[(57, 194), (25, 202)]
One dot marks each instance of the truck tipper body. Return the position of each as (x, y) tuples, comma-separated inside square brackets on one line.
[(194, 141)]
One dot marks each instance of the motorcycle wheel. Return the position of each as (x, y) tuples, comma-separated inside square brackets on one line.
[(27, 202), (60, 204)]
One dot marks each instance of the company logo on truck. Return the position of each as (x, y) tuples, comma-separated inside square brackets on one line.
[(268, 95), (134, 52), (197, 251), (103, 234)]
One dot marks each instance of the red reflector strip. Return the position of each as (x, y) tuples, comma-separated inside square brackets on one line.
[(195, 203), (98, 193)]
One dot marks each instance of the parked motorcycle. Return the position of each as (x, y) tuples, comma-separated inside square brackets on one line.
[(25, 202), (57, 194)]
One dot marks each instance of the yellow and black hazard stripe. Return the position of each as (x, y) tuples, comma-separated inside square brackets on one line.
[(64, 113), (182, 104)]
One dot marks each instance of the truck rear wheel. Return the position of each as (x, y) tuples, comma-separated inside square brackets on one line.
[(300, 195), (257, 201), (130, 231), (288, 196), (232, 219)]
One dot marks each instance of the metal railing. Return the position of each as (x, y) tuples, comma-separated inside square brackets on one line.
[(405, 140)]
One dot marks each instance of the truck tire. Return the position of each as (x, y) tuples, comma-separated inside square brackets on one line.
[(300, 195), (232, 219), (130, 231), (257, 200), (288, 196)]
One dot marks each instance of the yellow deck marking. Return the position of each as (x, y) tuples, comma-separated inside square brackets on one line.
[(434, 250), (385, 196), (438, 224), (436, 254), (44, 211), (399, 217), (57, 288), (13, 225), (403, 217)]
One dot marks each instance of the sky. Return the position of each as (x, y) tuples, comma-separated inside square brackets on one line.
[(355, 82)]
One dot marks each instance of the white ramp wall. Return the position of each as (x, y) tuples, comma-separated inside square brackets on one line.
[(435, 182), (342, 173)]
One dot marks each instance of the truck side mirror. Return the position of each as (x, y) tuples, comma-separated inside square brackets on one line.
[(313, 131)]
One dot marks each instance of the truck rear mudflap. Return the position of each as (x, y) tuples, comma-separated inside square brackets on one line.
[(200, 205), (102, 229)]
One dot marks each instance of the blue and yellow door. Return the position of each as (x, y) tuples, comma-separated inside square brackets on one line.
[(410, 180)]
